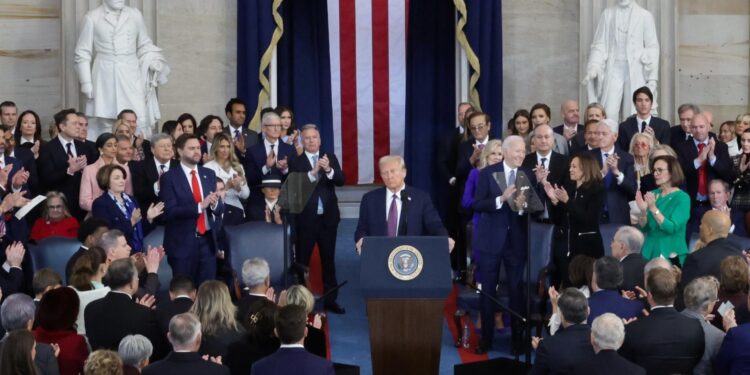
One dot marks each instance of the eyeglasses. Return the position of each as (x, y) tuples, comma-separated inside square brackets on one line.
[(57, 207), (660, 170), (277, 126), (478, 127)]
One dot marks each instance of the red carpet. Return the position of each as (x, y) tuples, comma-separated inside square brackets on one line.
[(316, 273), (467, 355)]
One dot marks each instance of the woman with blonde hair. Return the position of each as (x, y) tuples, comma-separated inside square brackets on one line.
[(315, 341), (218, 316), (224, 162)]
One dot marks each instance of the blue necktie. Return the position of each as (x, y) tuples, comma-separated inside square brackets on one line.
[(512, 178), (608, 177)]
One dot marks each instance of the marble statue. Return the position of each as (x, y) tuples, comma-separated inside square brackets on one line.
[(624, 56), (127, 67)]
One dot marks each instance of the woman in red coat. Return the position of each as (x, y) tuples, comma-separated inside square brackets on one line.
[(56, 219), (56, 317)]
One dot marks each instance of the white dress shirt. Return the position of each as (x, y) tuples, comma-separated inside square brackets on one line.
[(267, 145), (507, 170), (65, 142), (621, 177), (158, 171), (232, 197), (310, 157), (189, 176)]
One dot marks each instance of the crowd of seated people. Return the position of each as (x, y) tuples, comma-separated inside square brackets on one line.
[(680, 196)]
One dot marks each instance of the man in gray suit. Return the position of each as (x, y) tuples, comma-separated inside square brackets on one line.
[(700, 296), (17, 312)]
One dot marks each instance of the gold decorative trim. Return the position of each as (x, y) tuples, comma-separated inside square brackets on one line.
[(470, 55), (265, 61)]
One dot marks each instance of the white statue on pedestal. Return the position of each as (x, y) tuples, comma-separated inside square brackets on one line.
[(624, 56), (127, 67)]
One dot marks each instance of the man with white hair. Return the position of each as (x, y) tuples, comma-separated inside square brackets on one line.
[(607, 335), (700, 296), (626, 246), (618, 174), (502, 234), (17, 313), (135, 351), (268, 157), (185, 337), (257, 280)]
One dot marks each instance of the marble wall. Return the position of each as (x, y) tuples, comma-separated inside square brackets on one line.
[(713, 61), (30, 73)]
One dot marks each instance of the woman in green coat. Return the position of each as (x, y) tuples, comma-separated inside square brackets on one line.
[(664, 212)]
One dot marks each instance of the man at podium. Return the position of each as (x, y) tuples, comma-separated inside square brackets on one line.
[(397, 209)]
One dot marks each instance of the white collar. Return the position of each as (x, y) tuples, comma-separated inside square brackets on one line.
[(608, 152), (507, 168), (267, 143), (540, 156), (158, 163), (271, 203), (26, 140), (484, 142), (187, 169), (641, 120), (292, 346), (397, 192), (311, 154), (65, 141)]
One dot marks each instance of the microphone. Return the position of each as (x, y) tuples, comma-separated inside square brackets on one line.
[(404, 199)]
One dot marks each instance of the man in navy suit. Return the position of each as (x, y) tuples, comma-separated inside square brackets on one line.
[(718, 197), (272, 156), (191, 205), (242, 136), (185, 337), (396, 209), (319, 220), (643, 122), (501, 233), (571, 345), (626, 247), (292, 358), (618, 172), (702, 159), (605, 282), (679, 134), (62, 159), (570, 128), (147, 173), (607, 335)]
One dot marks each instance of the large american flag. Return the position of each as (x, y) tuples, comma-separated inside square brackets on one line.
[(367, 40)]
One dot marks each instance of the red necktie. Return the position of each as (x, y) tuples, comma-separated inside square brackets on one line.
[(702, 185), (201, 225)]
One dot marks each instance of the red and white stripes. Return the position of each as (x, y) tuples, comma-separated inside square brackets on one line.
[(367, 41)]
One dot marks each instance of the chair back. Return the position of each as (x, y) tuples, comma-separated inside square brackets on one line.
[(53, 252), (258, 239), (155, 238)]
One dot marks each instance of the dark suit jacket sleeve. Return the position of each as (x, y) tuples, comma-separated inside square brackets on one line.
[(50, 173), (665, 135), (723, 360), (363, 224), (483, 199), (142, 189), (463, 164), (172, 207), (723, 165), (432, 223), (11, 282), (45, 360), (338, 175), (582, 209), (629, 184), (541, 365)]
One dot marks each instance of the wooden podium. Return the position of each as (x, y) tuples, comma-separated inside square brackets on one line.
[(405, 281)]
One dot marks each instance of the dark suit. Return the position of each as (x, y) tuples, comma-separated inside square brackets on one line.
[(618, 195), (165, 311), (292, 361), (608, 362), (256, 210), (251, 139), (501, 236), (418, 217), (106, 208), (185, 364), (722, 168), (45, 360), (733, 357), (93, 150), (736, 216), (187, 252), (313, 228), (665, 342), (244, 305), (632, 126), (677, 135), (53, 166), (26, 157), (115, 316), (632, 271), (610, 301), (145, 174), (557, 164), (577, 142), (445, 161), (706, 262), (72, 262), (147, 152), (560, 353), (255, 160), (16, 167)]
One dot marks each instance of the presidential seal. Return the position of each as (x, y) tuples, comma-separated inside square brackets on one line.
[(405, 262)]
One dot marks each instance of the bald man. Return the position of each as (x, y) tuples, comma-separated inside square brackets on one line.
[(714, 230), (571, 129), (702, 158)]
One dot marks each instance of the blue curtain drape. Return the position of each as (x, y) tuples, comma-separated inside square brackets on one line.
[(484, 32), (254, 28), (304, 70), (430, 88)]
